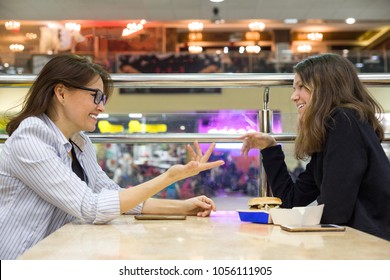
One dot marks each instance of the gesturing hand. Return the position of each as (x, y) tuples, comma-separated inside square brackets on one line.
[(198, 163), (257, 140)]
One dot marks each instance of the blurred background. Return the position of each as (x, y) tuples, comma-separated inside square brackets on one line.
[(184, 37)]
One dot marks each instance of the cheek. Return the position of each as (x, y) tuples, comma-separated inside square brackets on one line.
[(306, 96)]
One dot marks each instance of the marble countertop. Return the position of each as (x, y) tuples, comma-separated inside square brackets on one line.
[(219, 237)]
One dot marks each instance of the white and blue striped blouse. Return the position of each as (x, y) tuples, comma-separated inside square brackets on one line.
[(39, 192)]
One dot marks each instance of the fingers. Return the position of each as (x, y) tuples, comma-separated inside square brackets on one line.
[(242, 137), (191, 152), (206, 205), (197, 148), (197, 155), (204, 213), (248, 135), (249, 142), (209, 152), (209, 165), (244, 152), (208, 201), (246, 143), (245, 148)]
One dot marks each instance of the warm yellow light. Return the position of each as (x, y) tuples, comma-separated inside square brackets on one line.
[(12, 25), (256, 26), (315, 36), (72, 26), (304, 48), (195, 26), (253, 49), (195, 49), (132, 28), (252, 36), (16, 48), (195, 36), (31, 36)]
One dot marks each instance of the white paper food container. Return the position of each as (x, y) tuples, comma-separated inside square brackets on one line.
[(309, 215)]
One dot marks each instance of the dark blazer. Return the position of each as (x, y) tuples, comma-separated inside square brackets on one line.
[(351, 176)]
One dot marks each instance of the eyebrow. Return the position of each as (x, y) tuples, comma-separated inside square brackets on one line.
[(297, 82)]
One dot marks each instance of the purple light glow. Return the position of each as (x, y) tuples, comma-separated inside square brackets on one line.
[(236, 123)]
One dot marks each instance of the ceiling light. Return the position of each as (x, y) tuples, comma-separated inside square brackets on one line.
[(12, 25), (315, 36), (53, 25), (350, 20), (216, 1), (132, 28), (195, 36), (304, 48), (195, 49), (291, 21), (252, 36), (31, 36), (16, 48), (253, 49), (72, 26), (195, 26), (256, 26)]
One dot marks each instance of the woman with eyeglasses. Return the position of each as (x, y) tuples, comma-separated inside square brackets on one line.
[(49, 173), (339, 131)]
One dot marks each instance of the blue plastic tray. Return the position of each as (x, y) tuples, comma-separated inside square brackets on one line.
[(254, 216)]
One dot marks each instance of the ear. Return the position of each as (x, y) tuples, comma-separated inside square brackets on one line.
[(59, 92)]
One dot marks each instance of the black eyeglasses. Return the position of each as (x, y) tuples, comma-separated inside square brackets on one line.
[(99, 96)]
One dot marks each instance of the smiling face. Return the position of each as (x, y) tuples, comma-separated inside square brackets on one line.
[(301, 96), (77, 111)]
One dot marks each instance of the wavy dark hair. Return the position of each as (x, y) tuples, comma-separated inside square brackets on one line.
[(68, 69), (333, 82)]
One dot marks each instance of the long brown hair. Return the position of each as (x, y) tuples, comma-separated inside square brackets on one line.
[(68, 69), (333, 82)]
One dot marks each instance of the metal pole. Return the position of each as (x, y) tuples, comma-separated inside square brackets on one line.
[(265, 121)]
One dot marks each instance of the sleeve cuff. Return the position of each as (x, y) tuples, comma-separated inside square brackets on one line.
[(108, 207), (136, 210)]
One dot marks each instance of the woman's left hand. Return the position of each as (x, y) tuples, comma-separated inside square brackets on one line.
[(200, 206)]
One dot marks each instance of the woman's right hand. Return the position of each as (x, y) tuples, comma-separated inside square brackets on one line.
[(258, 140), (198, 163)]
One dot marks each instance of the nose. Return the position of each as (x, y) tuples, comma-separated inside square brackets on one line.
[(101, 107), (294, 96)]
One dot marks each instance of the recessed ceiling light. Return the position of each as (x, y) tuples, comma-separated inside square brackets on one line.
[(350, 20), (216, 1), (291, 21)]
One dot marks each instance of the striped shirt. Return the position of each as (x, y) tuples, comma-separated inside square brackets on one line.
[(39, 192)]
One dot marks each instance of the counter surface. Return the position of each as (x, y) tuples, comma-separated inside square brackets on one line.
[(220, 237)]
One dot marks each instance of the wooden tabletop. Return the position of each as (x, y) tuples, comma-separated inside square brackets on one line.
[(219, 237)]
